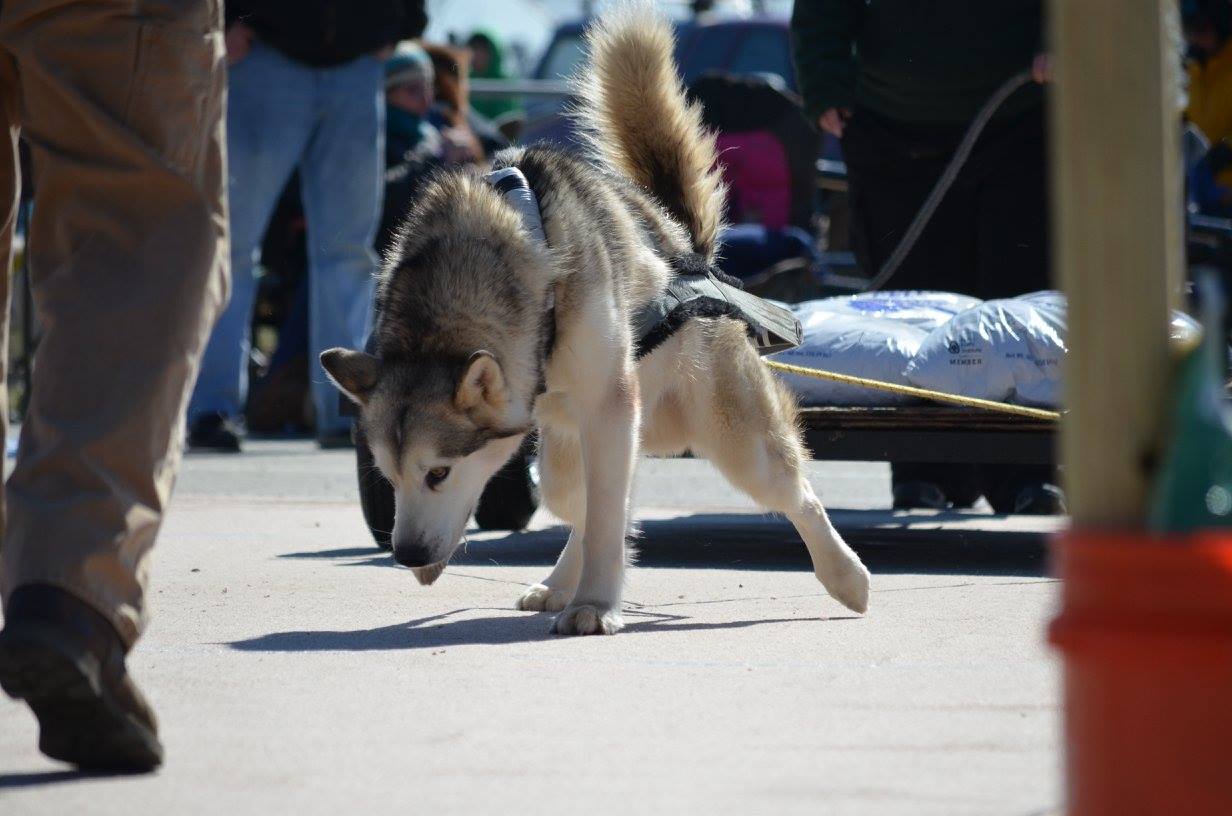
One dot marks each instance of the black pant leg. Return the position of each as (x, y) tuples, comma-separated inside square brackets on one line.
[(891, 169), (1013, 220), (1014, 244)]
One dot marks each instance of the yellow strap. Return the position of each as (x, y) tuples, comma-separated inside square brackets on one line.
[(936, 396)]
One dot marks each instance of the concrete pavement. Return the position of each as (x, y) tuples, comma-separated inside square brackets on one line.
[(296, 669)]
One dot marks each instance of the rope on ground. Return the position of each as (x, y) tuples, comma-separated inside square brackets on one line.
[(911, 391)]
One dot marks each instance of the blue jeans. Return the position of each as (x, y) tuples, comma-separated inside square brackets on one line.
[(330, 123)]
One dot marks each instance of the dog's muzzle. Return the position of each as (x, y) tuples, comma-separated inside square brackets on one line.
[(419, 559)]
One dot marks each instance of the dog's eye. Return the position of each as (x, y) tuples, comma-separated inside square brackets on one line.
[(435, 476)]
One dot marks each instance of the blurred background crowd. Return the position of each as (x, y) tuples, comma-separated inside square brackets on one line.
[(834, 120)]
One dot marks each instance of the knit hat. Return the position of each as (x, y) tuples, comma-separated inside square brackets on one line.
[(410, 63)]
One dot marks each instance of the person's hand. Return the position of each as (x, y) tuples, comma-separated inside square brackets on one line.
[(239, 42), (1041, 68), (834, 120)]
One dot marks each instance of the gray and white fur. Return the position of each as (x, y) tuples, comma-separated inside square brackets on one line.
[(461, 372)]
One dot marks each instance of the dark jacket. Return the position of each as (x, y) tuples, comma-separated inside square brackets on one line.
[(920, 61), (330, 32)]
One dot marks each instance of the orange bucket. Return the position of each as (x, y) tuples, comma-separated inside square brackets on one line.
[(1146, 632)]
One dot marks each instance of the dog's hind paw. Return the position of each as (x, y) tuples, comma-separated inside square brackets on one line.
[(585, 619), (849, 586), (539, 598)]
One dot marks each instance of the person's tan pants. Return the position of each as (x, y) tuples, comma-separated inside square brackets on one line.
[(122, 103)]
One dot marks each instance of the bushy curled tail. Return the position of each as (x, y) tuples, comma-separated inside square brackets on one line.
[(639, 122)]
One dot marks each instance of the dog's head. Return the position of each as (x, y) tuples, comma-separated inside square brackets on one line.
[(438, 430)]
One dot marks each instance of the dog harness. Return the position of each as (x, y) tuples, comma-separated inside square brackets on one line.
[(697, 289)]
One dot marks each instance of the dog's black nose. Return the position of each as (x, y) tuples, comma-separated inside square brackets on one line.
[(413, 555)]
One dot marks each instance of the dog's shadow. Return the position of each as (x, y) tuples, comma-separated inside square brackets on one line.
[(888, 543), (448, 629), (697, 541), (34, 779)]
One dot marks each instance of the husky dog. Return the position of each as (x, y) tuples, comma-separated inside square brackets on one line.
[(487, 332)]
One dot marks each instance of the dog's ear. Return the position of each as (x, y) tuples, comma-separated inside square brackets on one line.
[(354, 372), (482, 385)]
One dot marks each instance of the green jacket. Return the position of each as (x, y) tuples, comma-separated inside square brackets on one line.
[(917, 61), (493, 107)]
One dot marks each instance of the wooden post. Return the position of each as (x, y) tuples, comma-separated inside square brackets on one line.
[(1117, 243)]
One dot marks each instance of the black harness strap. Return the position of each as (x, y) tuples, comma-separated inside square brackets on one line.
[(547, 343), (701, 290), (697, 289), (512, 186)]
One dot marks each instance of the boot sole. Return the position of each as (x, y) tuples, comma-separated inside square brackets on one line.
[(79, 722)]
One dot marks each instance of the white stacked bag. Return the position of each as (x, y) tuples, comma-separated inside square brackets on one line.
[(1010, 350), (873, 335)]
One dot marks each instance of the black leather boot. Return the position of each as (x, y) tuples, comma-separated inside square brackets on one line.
[(66, 661)]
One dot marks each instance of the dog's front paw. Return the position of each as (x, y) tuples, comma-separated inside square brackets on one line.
[(586, 619), (540, 598)]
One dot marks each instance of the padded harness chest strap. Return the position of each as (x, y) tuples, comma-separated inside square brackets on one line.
[(513, 187), (700, 290)]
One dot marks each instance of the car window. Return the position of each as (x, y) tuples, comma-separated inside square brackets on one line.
[(707, 50), (684, 41), (764, 51), (563, 58)]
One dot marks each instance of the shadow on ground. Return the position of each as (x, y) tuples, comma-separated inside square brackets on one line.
[(887, 544), (700, 541), (36, 778), (446, 629)]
